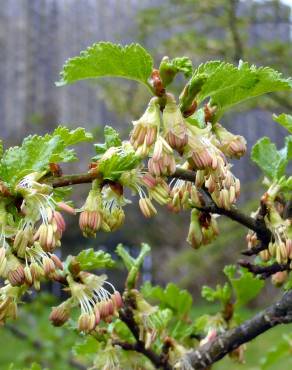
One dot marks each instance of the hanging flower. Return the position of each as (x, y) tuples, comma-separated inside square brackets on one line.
[(145, 129)]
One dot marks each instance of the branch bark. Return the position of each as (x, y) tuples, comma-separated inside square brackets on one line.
[(265, 271), (278, 313)]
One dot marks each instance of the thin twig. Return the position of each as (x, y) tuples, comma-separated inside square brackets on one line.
[(265, 271)]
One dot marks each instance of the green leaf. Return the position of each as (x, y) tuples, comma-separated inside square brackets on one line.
[(178, 300), (36, 152), (1, 148), (105, 59), (120, 329), (273, 162), (221, 293), (169, 68), (227, 85), (246, 286), (197, 119), (33, 155), (89, 259), (112, 139), (285, 120), (117, 161), (88, 346), (128, 261), (72, 137), (286, 184), (281, 350)]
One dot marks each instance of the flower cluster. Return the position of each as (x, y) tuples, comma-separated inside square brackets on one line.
[(102, 209), (178, 140), (280, 245), (28, 239), (89, 292), (203, 229)]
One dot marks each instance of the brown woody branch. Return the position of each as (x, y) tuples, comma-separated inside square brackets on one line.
[(255, 250), (265, 271), (278, 313)]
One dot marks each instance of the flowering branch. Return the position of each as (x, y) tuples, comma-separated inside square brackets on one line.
[(236, 215), (211, 352)]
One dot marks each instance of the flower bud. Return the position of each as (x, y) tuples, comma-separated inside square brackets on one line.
[(147, 208), (265, 255), (234, 146), (16, 277), (175, 129), (279, 278), (86, 322), (145, 129), (90, 222), (60, 314), (195, 235)]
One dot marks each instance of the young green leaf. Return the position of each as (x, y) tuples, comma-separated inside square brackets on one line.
[(105, 59), (285, 120), (72, 137), (221, 293), (36, 152), (282, 349), (178, 300), (169, 68), (112, 139), (116, 161), (273, 162), (227, 85), (133, 265), (89, 259), (246, 286)]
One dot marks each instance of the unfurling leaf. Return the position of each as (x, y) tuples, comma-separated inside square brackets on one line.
[(246, 286), (89, 259), (285, 120), (178, 300), (36, 152)]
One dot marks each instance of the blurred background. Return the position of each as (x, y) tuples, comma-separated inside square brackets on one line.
[(37, 36)]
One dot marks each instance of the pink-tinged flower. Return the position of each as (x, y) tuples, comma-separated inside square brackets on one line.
[(95, 301), (90, 219), (162, 162), (145, 129), (180, 195), (174, 126), (9, 297), (60, 314), (234, 146)]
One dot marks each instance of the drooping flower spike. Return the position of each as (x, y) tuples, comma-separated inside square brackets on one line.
[(96, 302)]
